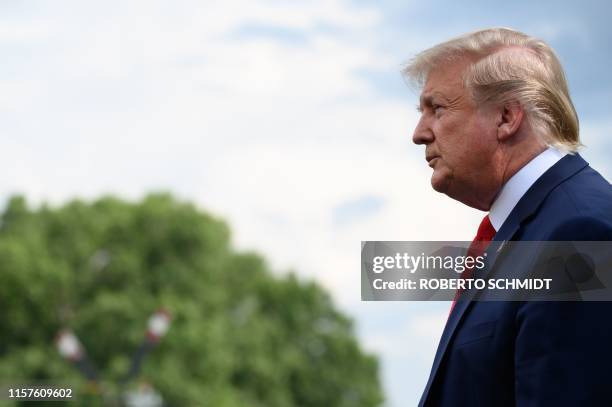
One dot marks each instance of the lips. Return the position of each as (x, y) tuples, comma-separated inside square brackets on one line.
[(431, 159)]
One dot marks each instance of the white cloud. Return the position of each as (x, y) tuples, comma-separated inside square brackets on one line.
[(407, 340), (126, 97), (415, 331)]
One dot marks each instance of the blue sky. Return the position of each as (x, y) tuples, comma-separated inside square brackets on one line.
[(288, 119)]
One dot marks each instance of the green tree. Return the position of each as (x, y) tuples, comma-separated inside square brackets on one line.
[(240, 336)]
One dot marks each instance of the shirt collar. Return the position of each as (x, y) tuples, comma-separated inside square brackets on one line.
[(514, 189)]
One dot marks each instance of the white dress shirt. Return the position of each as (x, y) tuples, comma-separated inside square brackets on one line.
[(519, 183)]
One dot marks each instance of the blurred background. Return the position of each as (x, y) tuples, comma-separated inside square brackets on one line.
[(219, 163)]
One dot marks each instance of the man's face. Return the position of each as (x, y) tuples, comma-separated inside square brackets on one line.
[(460, 139)]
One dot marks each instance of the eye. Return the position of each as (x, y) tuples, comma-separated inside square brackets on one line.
[(437, 109)]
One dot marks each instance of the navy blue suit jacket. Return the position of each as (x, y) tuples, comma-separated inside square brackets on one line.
[(534, 353)]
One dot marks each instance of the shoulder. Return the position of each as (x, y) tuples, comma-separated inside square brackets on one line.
[(579, 208), (581, 228), (585, 192)]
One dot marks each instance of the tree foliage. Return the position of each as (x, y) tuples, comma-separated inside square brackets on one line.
[(240, 336)]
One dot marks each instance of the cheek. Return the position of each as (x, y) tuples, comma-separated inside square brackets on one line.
[(479, 148), (484, 139), (452, 142), (463, 145)]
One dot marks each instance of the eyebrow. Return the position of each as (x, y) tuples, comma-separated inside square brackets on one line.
[(427, 100)]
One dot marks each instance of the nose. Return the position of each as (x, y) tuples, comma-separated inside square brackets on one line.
[(422, 132)]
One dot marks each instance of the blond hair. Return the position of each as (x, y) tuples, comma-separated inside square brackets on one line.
[(510, 66)]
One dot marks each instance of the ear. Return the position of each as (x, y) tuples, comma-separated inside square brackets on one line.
[(509, 121)]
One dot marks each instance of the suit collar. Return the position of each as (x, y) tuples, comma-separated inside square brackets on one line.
[(514, 189), (527, 206), (533, 198)]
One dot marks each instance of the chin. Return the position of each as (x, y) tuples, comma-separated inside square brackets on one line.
[(439, 183), (465, 198)]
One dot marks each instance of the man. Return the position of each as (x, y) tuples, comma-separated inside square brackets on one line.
[(500, 133)]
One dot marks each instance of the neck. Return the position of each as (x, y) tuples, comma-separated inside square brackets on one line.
[(518, 159), (513, 157)]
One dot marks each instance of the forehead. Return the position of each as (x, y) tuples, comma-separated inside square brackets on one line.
[(445, 80)]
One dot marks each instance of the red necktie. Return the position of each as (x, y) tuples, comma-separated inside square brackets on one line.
[(485, 234)]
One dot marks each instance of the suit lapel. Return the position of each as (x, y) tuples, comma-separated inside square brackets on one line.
[(527, 205)]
